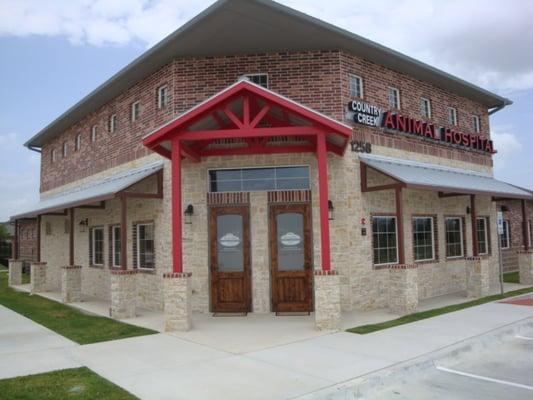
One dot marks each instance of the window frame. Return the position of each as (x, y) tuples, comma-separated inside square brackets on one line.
[(486, 236), (64, 150), (392, 216), (94, 133), (138, 239), (114, 250), (93, 249), (361, 94), (390, 90), (53, 156), (258, 74), (77, 142), (476, 123), (429, 110), (135, 111), (462, 239), (506, 236), (433, 253), (112, 123), (452, 116), (162, 101)]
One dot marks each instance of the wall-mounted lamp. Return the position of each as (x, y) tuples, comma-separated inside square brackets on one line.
[(188, 213), (84, 223), (504, 209), (468, 210), (331, 210)]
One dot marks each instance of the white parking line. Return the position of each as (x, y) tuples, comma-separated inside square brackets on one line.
[(484, 378), (523, 337)]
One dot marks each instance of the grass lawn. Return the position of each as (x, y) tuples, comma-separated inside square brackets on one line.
[(76, 383), (363, 329), (511, 277), (3, 267), (67, 321)]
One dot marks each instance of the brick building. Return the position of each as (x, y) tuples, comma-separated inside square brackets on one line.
[(261, 160)]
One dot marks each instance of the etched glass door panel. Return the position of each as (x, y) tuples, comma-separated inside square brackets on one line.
[(230, 254), (290, 241)]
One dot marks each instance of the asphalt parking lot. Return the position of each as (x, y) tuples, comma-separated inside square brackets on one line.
[(502, 372)]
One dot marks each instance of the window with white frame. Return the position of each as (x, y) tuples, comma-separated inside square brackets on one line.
[(53, 155), (65, 149), (145, 246), (115, 245), (425, 107), (94, 133), (454, 237), (258, 79), (112, 123), (476, 124), (394, 97), (482, 236), (77, 143), (423, 239), (384, 240), (97, 246), (162, 96), (452, 116), (135, 111), (355, 86), (505, 242)]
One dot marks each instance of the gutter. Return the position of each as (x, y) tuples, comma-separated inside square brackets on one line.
[(506, 102), (33, 148)]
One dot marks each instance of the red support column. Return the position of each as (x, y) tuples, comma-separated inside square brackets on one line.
[(524, 226), (177, 251), (399, 224), (322, 157), (71, 238), (473, 216), (123, 232)]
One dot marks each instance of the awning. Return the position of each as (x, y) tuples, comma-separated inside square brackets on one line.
[(418, 175), (103, 189)]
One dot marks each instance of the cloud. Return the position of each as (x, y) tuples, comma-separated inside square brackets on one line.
[(507, 144)]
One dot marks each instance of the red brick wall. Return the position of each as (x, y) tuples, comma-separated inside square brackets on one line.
[(514, 216), (317, 79)]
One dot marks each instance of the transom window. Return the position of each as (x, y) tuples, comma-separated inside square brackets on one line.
[(384, 240), (476, 125), (94, 132), (145, 246), (423, 239), (135, 111), (162, 96), (355, 86), (482, 236), (505, 242), (394, 97), (112, 124), (425, 107), (452, 116), (97, 246), (259, 179), (258, 79), (115, 245), (454, 237)]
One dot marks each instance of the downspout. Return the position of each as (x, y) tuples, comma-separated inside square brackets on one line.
[(506, 102), (37, 150)]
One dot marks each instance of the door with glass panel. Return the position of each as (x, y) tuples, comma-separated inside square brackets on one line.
[(229, 242), (290, 258)]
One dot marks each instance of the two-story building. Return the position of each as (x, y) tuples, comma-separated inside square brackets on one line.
[(261, 160)]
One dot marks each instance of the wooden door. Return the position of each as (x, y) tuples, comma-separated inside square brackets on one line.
[(229, 237), (290, 250)]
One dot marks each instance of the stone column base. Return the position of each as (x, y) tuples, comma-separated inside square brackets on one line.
[(123, 293), (477, 277), (38, 277), (403, 289), (15, 273), (177, 294), (71, 284), (327, 300), (525, 265)]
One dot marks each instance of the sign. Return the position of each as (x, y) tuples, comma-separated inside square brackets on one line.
[(290, 239), (369, 115), (499, 222), (361, 147), (229, 240)]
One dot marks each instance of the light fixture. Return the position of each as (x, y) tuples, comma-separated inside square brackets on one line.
[(84, 223), (189, 211), (331, 209), (468, 210), (504, 209)]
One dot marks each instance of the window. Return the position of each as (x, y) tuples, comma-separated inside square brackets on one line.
[(145, 246), (258, 179), (162, 96), (394, 98), (355, 86), (53, 156), (529, 236), (94, 133), (452, 116), (476, 124), (112, 123), (423, 239), (425, 107), (482, 236), (115, 245), (384, 240), (135, 111), (77, 143), (454, 237), (258, 79), (65, 149), (97, 246), (505, 242)]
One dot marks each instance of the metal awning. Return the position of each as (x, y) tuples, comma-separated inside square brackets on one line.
[(102, 189), (418, 175)]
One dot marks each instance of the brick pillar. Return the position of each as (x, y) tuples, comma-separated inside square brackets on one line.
[(123, 293), (327, 300), (477, 277), (15, 273), (38, 277), (403, 289), (71, 284), (177, 293), (525, 265)]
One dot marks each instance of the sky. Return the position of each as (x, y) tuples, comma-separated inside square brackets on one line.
[(54, 52)]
